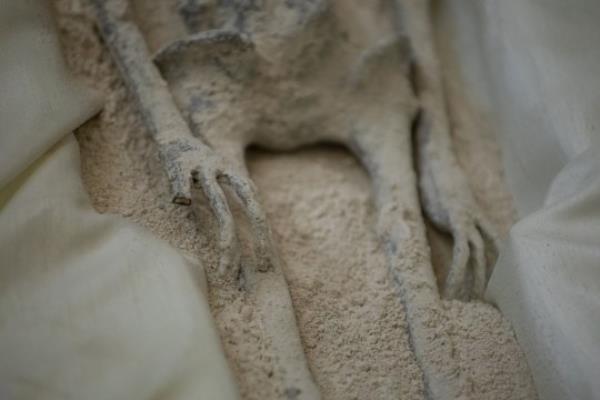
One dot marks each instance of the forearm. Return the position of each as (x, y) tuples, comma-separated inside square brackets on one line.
[(156, 105)]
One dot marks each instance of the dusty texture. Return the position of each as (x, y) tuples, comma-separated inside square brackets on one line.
[(319, 205), (348, 312), (286, 75)]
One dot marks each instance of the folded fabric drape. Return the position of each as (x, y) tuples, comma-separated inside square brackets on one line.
[(531, 66), (91, 306)]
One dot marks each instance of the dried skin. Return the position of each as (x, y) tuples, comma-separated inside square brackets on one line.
[(402, 216)]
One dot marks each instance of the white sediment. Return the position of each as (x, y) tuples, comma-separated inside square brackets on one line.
[(319, 205)]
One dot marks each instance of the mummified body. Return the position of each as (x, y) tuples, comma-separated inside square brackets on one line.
[(284, 74)]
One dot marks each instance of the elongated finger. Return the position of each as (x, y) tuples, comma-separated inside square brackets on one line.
[(244, 189), (478, 263), (491, 242), (228, 243), (455, 281)]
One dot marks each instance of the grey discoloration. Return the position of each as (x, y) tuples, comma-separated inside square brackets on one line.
[(196, 14), (201, 102), (186, 156), (284, 74), (292, 393)]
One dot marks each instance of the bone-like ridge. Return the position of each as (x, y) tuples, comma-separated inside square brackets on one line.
[(284, 74)]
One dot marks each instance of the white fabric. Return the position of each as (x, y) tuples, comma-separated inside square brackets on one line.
[(91, 307), (35, 89), (532, 65)]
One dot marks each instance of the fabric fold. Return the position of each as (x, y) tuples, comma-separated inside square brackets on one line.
[(91, 306), (530, 66)]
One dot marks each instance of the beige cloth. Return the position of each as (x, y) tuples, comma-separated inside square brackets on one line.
[(532, 66), (35, 88), (91, 307)]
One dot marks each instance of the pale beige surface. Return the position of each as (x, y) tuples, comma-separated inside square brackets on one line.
[(319, 205), (91, 306), (95, 307)]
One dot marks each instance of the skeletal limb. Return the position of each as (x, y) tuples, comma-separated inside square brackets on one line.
[(386, 153), (445, 192), (267, 285), (270, 291), (185, 156)]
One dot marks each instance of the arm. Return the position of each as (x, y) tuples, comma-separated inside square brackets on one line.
[(178, 148)]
